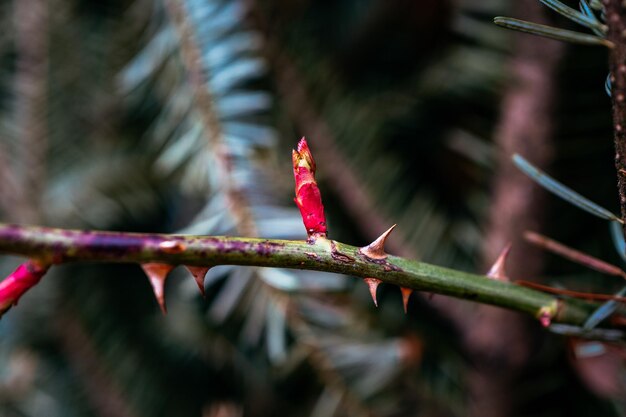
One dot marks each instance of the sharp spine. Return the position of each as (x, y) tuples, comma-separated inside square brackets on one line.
[(376, 249), (373, 284), (498, 270), (157, 274), (406, 294), (199, 272)]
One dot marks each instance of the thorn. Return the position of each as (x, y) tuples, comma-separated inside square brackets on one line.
[(376, 249), (498, 271), (406, 293), (157, 274), (199, 273), (373, 284)]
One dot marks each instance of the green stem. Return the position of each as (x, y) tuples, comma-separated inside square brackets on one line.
[(63, 246)]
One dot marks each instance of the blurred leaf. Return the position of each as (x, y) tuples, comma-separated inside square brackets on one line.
[(562, 191), (550, 32)]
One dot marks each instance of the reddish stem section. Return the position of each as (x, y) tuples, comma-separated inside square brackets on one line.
[(570, 293), (21, 280), (573, 255)]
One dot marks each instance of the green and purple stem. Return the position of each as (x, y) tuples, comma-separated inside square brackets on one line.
[(59, 246), (158, 254)]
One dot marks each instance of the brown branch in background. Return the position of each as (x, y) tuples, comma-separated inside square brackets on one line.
[(9, 196), (616, 20), (237, 201), (31, 41), (576, 294), (573, 254), (500, 338), (525, 127), (105, 398)]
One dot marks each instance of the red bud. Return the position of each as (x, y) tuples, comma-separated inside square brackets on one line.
[(308, 197), (21, 280)]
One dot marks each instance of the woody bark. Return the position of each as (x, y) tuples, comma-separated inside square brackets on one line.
[(616, 20)]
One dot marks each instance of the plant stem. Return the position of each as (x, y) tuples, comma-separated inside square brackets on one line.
[(63, 246), (616, 20)]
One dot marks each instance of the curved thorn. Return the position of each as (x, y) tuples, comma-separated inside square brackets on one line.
[(308, 196), (376, 249), (498, 271), (199, 272), (157, 274), (406, 293), (373, 283)]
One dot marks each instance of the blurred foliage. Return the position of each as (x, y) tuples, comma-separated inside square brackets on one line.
[(169, 117)]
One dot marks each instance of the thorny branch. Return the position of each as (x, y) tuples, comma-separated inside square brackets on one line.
[(158, 254), (58, 246)]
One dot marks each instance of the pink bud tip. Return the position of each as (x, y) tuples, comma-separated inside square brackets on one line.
[(308, 197)]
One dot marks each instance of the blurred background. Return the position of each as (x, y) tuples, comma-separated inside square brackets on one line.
[(180, 116)]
